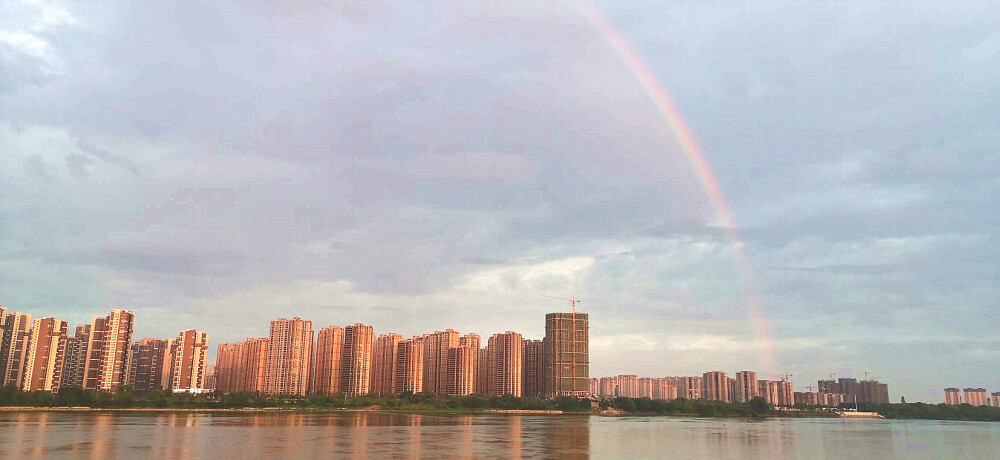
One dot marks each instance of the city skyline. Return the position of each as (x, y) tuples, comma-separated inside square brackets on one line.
[(292, 360)]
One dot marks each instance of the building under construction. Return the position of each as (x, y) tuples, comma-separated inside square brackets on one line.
[(566, 356)]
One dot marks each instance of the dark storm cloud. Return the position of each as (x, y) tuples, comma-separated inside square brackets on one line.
[(442, 164)]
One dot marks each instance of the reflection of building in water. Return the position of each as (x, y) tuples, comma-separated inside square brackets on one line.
[(514, 437), (561, 437)]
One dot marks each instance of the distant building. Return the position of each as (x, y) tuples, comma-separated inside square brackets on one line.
[(533, 368), (995, 399), (746, 386), (470, 340), (190, 361), (461, 370), (870, 391), (436, 347), (150, 364), (595, 386), (46, 352), (108, 347), (76, 357), (289, 357), (359, 344), (409, 366), (715, 386), (14, 346), (770, 390), (975, 396), (505, 353), (952, 396), (566, 358), (628, 386), (329, 358), (608, 386), (483, 371), (384, 363)]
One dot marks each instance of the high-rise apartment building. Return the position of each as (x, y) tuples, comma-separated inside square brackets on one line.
[(108, 347), (595, 386), (409, 366), (384, 363), (975, 396), (505, 353), (864, 391), (566, 355), (76, 357), (786, 394), (483, 371), (226, 367), (45, 356), (241, 366), (356, 370), (436, 347), (190, 361), (608, 386), (534, 368), (289, 357), (715, 386), (462, 370), (995, 399), (329, 358), (746, 386), (14, 347), (470, 340), (628, 386), (952, 396), (646, 385), (150, 364)]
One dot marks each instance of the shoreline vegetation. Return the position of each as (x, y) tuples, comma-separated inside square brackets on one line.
[(75, 399)]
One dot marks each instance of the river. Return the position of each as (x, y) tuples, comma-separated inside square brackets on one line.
[(381, 435)]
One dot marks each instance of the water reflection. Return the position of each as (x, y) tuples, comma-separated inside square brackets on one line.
[(380, 434)]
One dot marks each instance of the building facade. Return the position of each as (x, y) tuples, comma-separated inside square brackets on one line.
[(952, 396), (715, 386), (409, 370), (76, 357), (566, 355), (975, 396), (384, 363), (356, 369), (746, 386), (534, 368), (150, 364), (436, 348), (329, 358), (461, 369), (289, 357), (14, 347), (506, 366), (46, 352), (190, 361)]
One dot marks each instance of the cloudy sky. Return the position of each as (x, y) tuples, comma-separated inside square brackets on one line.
[(217, 165)]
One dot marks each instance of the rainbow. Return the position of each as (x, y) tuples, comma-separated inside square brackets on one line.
[(702, 167)]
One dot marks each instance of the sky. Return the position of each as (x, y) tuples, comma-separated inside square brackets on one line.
[(419, 166)]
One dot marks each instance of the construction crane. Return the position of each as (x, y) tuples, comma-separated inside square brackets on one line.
[(573, 301)]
